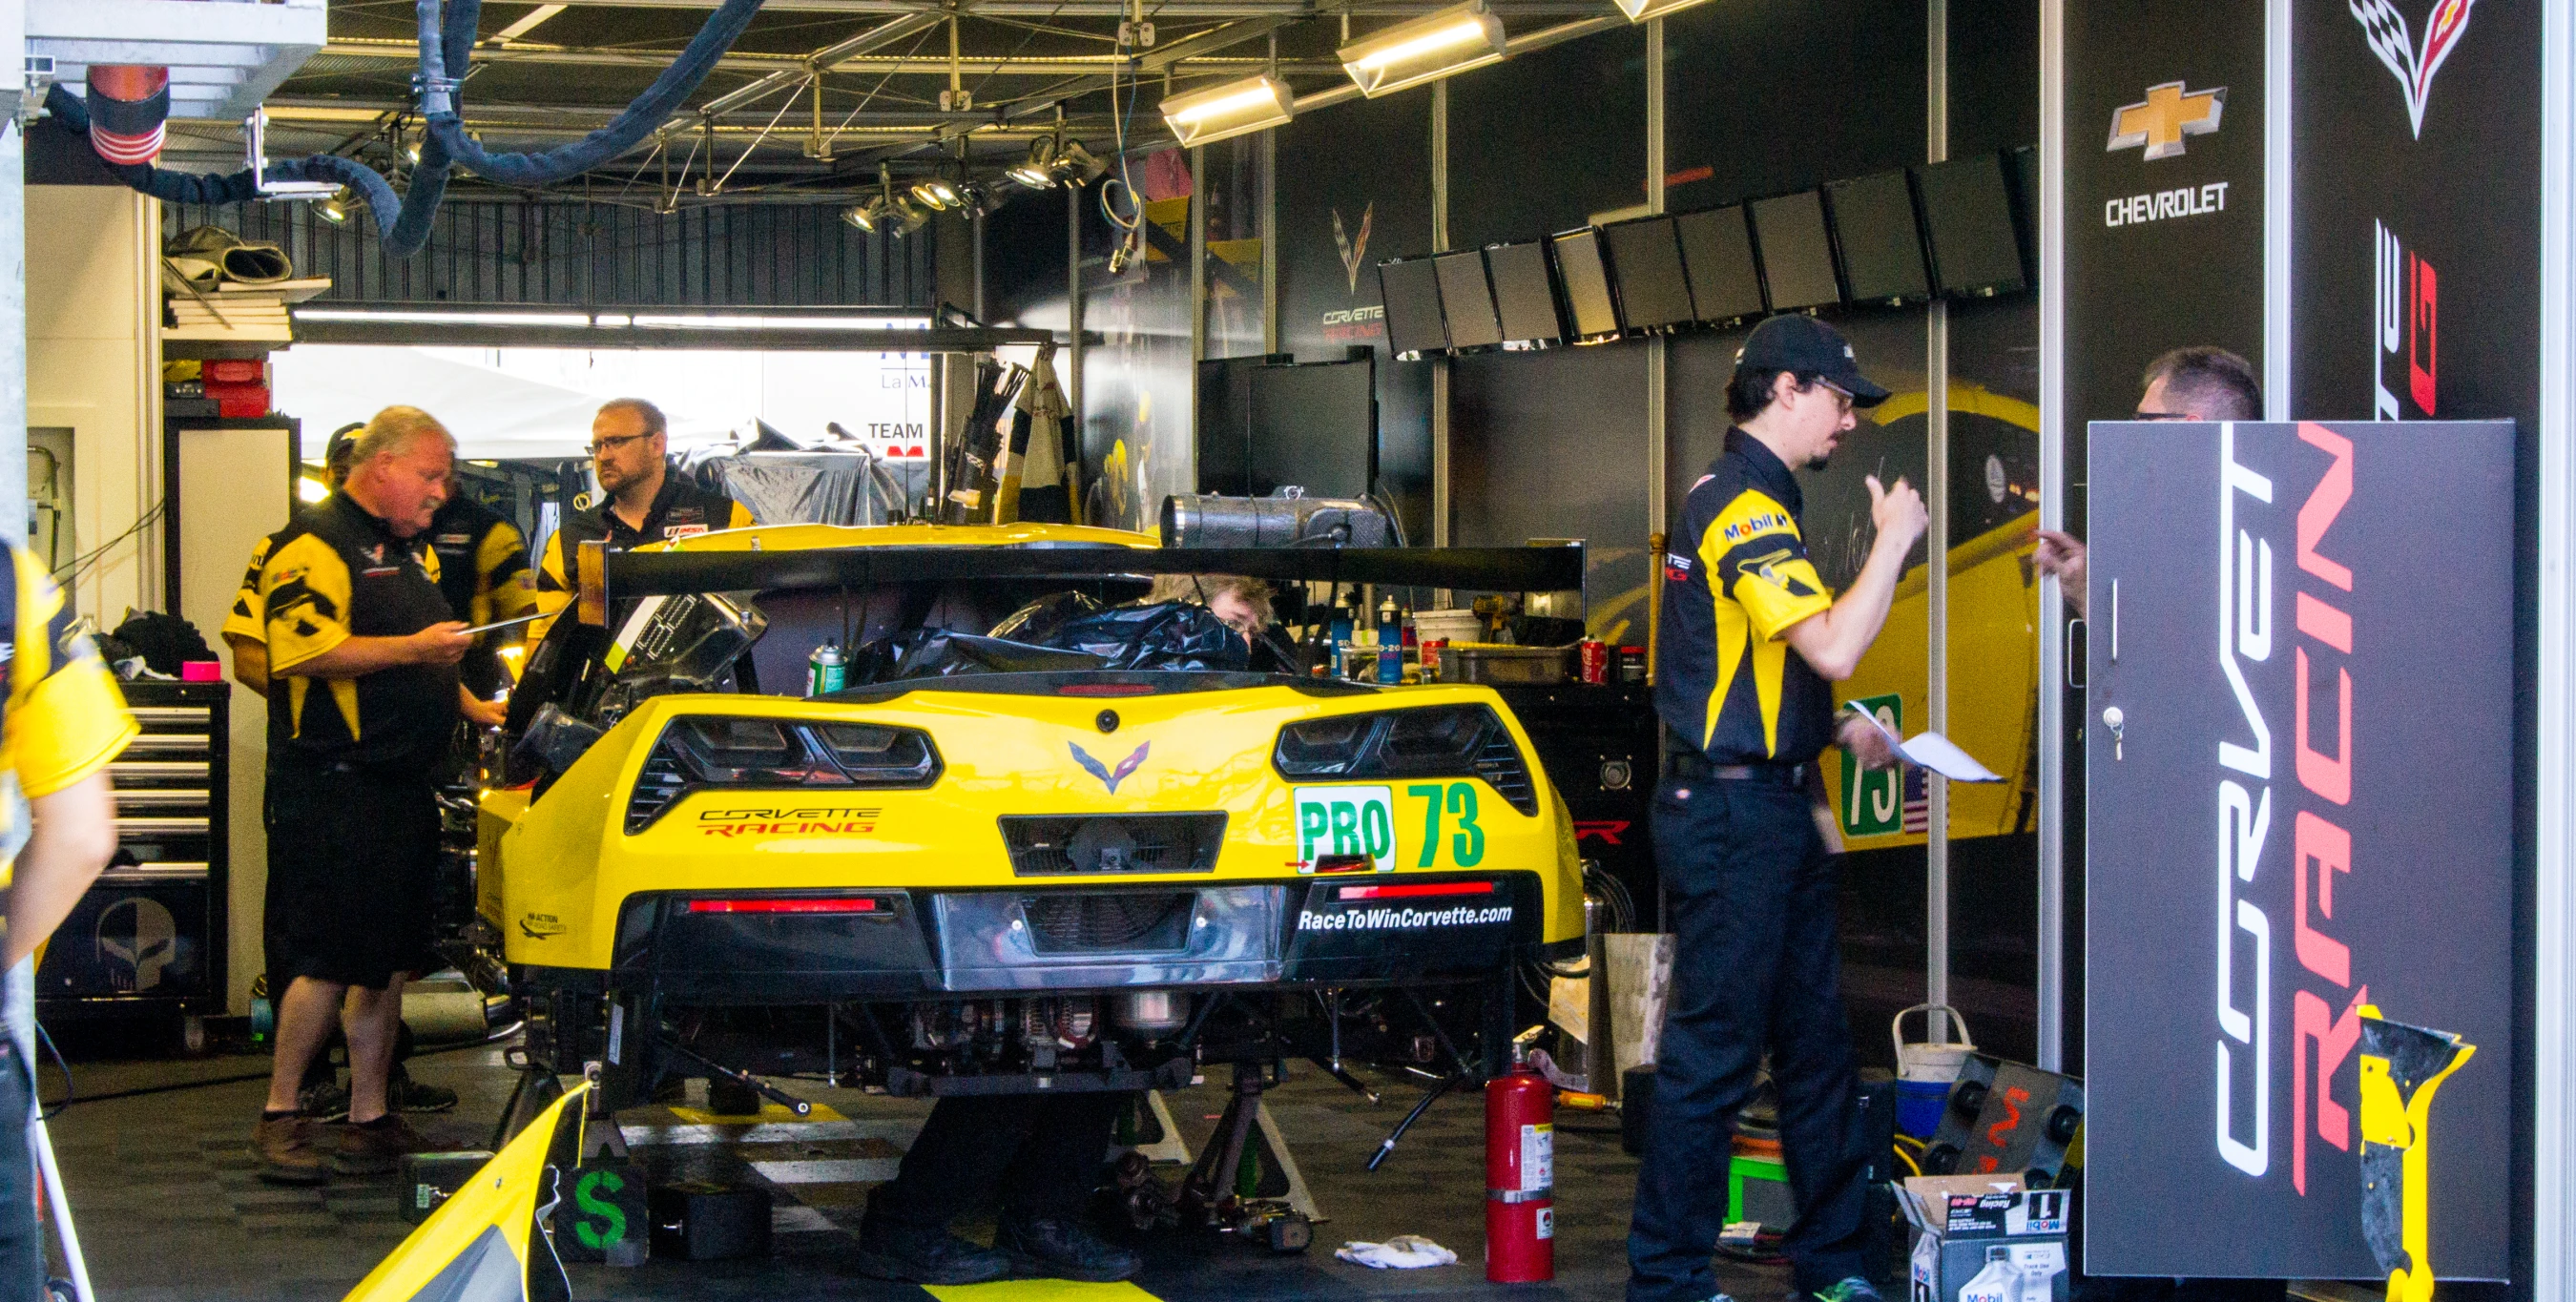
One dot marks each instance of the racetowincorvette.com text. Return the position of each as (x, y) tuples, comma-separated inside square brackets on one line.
[(1400, 919)]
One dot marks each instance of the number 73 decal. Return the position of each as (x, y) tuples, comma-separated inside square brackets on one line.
[(1355, 820)]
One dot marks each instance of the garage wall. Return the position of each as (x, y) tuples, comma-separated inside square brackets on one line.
[(93, 345), (485, 249)]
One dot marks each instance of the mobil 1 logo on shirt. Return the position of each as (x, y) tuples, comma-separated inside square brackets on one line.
[(1345, 821)]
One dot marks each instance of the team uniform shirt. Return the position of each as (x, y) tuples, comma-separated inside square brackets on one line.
[(62, 720), (680, 509), (1736, 577), (483, 571), (338, 572)]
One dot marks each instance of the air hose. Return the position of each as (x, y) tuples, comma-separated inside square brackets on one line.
[(403, 220)]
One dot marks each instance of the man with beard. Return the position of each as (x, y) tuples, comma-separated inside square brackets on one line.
[(641, 501)]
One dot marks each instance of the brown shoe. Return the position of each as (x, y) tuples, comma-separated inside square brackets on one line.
[(377, 1147), (287, 1153)]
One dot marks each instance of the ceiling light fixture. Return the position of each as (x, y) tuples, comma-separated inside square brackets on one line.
[(1234, 109), (1424, 49), (862, 215), (1639, 11), (937, 194), (334, 209), (1037, 172), (1077, 165)]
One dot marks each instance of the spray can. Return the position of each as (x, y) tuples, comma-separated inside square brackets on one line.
[(827, 670)]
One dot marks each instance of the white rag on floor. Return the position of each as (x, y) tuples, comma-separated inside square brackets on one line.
[(1403, 1252)]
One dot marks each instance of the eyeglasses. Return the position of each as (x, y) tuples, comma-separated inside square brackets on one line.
[(1842, 400), (598, 446), (2144, 414)]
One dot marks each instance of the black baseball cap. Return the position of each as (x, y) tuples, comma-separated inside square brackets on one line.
[(1809, 347)]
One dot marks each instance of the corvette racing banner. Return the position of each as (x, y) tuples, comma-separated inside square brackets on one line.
[(2299, 737)]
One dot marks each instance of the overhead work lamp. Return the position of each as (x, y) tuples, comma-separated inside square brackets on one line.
[(1424, 49), (1233, 109)]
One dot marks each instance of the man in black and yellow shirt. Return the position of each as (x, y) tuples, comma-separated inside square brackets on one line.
[(61, 721), (363, 703), (483, 570), (1751, 644), (641, 501)]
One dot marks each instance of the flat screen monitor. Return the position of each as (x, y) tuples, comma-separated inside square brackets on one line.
[(1881, 246), (1717, 251), (1314, 426), (1797, 259), (1467, 301), (1646, 266), (1411, 290), (1587, 285), (1225, 422), (1524, 296), (1967, 215)]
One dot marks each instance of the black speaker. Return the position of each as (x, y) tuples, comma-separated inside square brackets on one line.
[(1636, 1105)]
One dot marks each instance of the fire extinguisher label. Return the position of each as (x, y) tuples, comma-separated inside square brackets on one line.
[(1547, 1222), (1538, 1158)]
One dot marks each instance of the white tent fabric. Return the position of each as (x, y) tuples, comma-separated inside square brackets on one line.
[(536, 403)]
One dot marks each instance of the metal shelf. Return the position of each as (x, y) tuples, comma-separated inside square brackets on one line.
[(224, 56)]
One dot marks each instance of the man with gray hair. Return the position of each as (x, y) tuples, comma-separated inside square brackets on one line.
[(2198, 382), (363, 699)]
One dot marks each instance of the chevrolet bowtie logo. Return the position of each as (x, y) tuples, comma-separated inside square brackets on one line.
[(2167, 115)]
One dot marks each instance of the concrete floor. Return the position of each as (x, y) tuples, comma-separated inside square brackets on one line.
[(163, 1190)]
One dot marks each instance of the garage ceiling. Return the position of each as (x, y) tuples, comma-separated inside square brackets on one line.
[(818, 94)]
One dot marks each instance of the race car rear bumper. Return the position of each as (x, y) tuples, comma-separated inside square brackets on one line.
[(816, 947)]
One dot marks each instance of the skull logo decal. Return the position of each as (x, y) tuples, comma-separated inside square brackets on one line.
[(136, 939)]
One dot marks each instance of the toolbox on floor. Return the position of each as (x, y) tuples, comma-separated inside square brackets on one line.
[(1984, 1238), (697, 1220), (429, 1179)]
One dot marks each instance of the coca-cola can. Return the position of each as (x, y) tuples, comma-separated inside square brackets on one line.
[(1596, 661)]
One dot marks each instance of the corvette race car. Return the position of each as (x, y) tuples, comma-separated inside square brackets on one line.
[(1047, 837)]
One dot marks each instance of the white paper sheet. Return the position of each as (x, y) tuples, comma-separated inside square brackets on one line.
[(1931, 750)]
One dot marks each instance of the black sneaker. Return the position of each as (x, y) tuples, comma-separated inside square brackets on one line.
[(913, 1255), (1062, 1249), (325, 1101), (408, 1095)]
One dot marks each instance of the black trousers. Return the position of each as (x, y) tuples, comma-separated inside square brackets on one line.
[(22, 1240), (1040, 1155), (1751, 892)]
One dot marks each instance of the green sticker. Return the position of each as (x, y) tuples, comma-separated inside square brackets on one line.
[(1874, 799)]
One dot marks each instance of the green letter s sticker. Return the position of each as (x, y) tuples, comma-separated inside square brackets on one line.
[(615, 1231)]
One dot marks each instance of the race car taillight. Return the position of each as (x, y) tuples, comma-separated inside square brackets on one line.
[(789, 904), (1439, 741), (698, 751), (1413, 891)]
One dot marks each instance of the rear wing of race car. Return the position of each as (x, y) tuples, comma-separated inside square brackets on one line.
[(1475, 569)]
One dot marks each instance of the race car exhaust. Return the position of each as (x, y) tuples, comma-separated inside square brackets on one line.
[(1154, 1012)]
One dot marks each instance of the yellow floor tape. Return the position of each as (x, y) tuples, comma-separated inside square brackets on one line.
[(771, 1114), (1038, 1290)]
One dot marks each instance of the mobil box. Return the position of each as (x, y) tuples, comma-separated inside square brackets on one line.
[(1984, 1238)]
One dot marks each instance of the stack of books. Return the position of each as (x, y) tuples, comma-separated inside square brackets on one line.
[(235, 311)]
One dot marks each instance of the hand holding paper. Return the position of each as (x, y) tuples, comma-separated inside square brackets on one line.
[(1930, 750)]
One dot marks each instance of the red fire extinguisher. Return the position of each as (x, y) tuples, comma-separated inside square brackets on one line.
[(1520, 1175)]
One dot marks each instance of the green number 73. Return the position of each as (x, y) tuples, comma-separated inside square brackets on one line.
[(1467, 844)]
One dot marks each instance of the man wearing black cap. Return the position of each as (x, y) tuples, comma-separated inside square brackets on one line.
[(1751, 644)]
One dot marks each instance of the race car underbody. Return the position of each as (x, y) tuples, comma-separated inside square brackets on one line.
[(993, 865)]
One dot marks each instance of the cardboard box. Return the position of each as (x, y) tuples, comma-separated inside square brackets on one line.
[(1984, 1238)]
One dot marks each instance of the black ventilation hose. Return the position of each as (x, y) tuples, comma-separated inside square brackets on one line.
[(443, 110)]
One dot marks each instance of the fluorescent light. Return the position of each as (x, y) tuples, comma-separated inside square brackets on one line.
[(1428, 48), (1639, 11), (782, 323), (1233, 109), (444, 318)]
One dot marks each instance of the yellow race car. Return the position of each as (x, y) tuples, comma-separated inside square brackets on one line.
[(1046, 859)]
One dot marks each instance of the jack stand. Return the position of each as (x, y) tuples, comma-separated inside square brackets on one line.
[(1171, 1147), (1213, 1194)]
